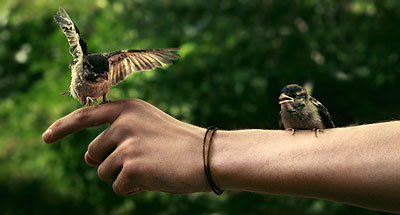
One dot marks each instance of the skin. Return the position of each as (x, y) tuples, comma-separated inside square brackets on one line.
[(146, 149)]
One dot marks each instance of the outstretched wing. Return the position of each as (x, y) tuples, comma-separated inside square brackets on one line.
[(323, 112), (77, 45), (123, 63)]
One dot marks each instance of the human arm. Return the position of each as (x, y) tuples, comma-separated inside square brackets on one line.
[(355, 165), (146, 149)]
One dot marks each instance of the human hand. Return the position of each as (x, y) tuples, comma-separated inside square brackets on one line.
[(142, 149)]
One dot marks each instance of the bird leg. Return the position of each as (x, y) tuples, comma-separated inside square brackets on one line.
[(105, 99), (291, 129), (317, 130), (90, 101)]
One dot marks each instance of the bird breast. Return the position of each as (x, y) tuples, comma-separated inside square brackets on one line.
[(305, 118), (81, 89)]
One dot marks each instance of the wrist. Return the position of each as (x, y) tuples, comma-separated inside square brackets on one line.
[(247, 160), (225, 160)]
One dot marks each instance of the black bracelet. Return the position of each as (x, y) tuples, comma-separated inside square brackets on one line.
[(206, 159)]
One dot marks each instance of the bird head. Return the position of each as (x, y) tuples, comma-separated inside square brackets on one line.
[(293, 97)]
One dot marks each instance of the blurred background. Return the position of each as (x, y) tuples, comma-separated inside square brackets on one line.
[(236, 58)]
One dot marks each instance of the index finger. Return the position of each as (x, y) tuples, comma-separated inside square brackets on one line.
[(82, 118)]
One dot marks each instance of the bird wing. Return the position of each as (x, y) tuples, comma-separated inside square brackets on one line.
[(123, 63), (78, 46), (323, 112)]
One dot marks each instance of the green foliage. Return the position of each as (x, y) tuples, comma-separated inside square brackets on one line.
[(236, 57)]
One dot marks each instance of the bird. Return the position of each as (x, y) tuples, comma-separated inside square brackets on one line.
[(94, 73), (300, 111)]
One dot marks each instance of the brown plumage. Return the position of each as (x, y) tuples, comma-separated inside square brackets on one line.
[(300, 111), (94, 73), (123, 63)]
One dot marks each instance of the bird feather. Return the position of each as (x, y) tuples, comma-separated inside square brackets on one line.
[(123, 63), (323, 112)]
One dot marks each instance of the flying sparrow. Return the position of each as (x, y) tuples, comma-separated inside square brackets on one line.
[(300, 111), (93, 73)]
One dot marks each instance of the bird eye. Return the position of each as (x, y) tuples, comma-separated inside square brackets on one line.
[(301, 95)]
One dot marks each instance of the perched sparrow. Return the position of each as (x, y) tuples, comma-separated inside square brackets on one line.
[(300, 111), (93, 73)]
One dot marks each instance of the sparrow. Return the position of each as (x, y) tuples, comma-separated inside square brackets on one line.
[(300, 111), (94, 73)]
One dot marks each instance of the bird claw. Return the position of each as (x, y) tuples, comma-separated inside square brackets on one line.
[(105, 102), (317, 130), (90, 101), (291, 129)]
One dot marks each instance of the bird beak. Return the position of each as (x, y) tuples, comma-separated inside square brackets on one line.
[(285, 99)]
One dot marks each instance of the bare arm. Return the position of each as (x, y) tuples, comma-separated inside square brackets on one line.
[(355, 165), (146, 149)]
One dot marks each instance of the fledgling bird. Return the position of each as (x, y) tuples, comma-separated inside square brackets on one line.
[(300, 111), (93, 73)]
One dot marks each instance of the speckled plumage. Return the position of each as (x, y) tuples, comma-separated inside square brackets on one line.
[(300, 111), (94, 73)]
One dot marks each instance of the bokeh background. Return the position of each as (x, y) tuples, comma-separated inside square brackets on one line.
[(236, 57)]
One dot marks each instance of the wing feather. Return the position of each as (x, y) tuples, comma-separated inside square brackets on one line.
[(323, 112), (123, 63), (77, 45), (148, 63), (162, 59), (143, 64), (153, 60), (135, 65)]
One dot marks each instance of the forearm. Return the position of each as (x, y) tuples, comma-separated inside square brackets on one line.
[(145, 149), (355, 165)]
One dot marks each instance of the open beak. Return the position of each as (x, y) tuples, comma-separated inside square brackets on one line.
[(285, 99)]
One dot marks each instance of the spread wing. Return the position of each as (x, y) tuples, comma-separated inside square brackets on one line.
[(323, 112), (123, 63), (77, 45)]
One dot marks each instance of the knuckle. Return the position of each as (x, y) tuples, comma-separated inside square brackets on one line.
[(101, 172), (135, 169), (124, 151), (128, 148), (94, 152), (128, 178), (121, 129), (130, 141), (136, 103), (56, 124), (119, 186)]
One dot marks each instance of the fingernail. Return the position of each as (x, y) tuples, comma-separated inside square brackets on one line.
[(90, 160), (47, 135)]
